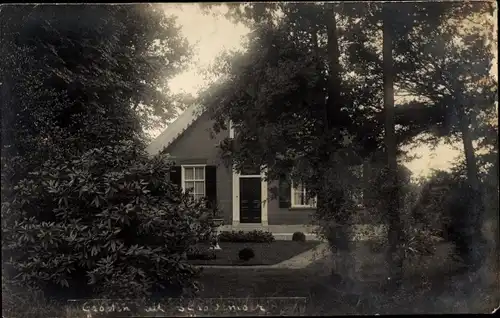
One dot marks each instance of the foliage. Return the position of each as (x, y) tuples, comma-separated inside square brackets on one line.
[(302, 107), (102, 222), (279, 88), (427, 44), (457, 56), (255, 236), (14, 302), (306, 98), (299, 237), (75, 77), (79, 75), (246, 254), (435, 196), (447, 195)]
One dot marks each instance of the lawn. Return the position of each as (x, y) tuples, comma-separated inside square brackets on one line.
[(265, 253), (430, 286)]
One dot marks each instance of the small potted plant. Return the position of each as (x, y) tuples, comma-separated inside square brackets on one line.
[(215, 214)]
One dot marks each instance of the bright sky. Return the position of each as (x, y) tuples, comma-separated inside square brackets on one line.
[(212, 35)]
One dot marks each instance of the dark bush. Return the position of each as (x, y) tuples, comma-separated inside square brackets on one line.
[(299, 237), (246, 237), (246, 254), (453, 204), (108, 223)]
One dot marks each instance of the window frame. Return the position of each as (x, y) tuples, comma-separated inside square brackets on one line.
[(183, 178), (293, 204)]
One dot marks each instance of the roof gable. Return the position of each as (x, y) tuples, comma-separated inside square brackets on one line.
[(175, 129)]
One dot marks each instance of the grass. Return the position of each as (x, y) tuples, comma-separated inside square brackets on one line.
[(265, 253), (430, 287)]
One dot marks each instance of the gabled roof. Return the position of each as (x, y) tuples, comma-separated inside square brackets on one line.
[(175, 129)]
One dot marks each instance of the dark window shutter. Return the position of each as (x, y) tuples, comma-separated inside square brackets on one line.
[(211, 185), (175, 175), (285, 192)]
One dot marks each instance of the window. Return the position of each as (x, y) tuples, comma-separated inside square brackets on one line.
[(300, 199), (193, 179)]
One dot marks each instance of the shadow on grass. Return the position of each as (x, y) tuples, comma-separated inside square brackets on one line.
[(265, 253)]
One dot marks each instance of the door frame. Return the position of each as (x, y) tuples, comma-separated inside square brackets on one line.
[(236, 197)]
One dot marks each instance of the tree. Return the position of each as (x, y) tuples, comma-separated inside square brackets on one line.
[(99, 223), (395, 261), (433, 44), (75, 76), (80, 197), (291, 116), (299, 109), (460, 69), (295, 101)]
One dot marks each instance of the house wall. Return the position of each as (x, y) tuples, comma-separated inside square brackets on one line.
[(196, 146), (288, 216)]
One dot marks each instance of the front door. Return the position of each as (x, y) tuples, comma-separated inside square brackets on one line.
[(250, 200)]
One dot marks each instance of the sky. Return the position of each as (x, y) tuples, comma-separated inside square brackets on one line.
[(211, 35)]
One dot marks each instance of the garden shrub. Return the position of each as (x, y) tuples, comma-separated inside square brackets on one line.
[(444, 210), (106, 223), (255, 236), (299, 237), (246, 254), (334, 215)]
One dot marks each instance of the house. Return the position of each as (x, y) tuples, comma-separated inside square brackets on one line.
[(244, 198)]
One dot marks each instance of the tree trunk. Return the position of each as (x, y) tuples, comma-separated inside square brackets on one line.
[(475, 210), (395, 262), (470, 156), (334, 98), (339, 238)]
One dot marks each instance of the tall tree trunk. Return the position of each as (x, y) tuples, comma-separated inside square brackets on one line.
[(344, 266), (470, 156), (395, 262), (475, 209), (334, 98)]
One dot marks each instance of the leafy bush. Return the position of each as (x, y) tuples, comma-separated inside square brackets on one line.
[(299, 237), (436, 195), (246, 254), (105, 223), (446, 209), (255, 236)]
